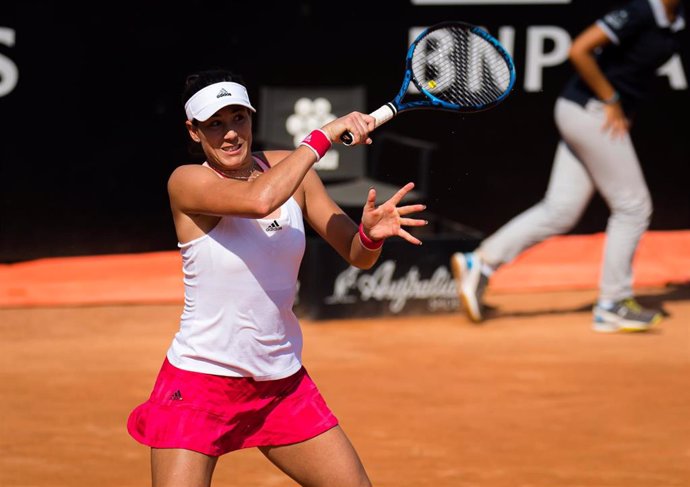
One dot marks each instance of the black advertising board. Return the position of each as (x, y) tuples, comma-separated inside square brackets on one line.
[(92, 124)]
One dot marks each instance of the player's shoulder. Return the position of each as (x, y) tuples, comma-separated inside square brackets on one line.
[(188, 170), (188, 173)]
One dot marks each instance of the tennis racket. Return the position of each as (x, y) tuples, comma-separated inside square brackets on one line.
[(453, 66)]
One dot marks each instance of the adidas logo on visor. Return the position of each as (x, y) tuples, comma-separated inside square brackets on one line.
[(223, 92)]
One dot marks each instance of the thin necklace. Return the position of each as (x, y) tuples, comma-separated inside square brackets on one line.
[(251, 174)]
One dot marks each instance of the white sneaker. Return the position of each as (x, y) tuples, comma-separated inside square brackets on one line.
[(470, 282)]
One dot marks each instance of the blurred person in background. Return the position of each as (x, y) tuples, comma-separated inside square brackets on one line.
[(615, 62)]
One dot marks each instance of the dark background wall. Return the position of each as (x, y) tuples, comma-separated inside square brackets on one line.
[(94, 125)]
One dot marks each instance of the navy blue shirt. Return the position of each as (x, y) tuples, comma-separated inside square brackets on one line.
[(642, 39)]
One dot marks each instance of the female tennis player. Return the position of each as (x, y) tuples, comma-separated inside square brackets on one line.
[(233, 375)]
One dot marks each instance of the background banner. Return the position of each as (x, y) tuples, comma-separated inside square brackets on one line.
[(92, 123)]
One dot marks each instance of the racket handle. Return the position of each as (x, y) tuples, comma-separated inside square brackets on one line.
[(382, 115)]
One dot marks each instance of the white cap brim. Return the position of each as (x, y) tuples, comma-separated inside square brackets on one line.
[(212, 98)]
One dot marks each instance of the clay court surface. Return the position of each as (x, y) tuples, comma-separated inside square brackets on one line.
[(530, 398)]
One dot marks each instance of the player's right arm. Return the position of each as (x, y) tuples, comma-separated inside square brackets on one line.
[(194, 189)]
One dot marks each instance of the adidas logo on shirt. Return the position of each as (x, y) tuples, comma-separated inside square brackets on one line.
[(274, 227)]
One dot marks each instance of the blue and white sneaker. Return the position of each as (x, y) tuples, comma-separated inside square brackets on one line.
[(470, 282), (625, 316)]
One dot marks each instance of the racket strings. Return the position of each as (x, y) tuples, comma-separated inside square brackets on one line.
[(460, 67)]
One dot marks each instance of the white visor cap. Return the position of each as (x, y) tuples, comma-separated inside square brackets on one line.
[(212, 98)]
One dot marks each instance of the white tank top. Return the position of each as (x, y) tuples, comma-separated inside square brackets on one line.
[(240, 284)]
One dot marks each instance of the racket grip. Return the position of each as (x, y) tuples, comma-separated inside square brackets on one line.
[(382, 115), (347, 138)]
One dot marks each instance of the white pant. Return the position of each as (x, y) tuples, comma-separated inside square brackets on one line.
[(586, 159)]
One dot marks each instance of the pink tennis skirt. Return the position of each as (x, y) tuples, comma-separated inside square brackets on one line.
[(214, 415)]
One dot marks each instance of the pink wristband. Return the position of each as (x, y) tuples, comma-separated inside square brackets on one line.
[(368, 243), (317, 141)]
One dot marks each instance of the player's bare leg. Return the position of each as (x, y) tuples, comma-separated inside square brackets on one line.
[(328, 460), (173, 467)]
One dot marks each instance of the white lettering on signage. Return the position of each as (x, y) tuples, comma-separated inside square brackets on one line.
[(506, 36), (537, 58), (547, 46), (673, 70), (353, 285), (440, 59), (9, 74)]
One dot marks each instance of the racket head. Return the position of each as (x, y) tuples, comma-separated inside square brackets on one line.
[(456, 66)]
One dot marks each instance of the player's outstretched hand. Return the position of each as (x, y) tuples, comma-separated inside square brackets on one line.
[(388, 219)]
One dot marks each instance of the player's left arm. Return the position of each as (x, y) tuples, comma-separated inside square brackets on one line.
[(333, 224), (342, 233)]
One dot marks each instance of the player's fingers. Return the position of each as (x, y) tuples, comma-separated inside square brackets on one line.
[(370, 122), (413, 222), (371, 199), (407, 209), (409, 237), (363, 128), (400, 194), (353, 128)]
